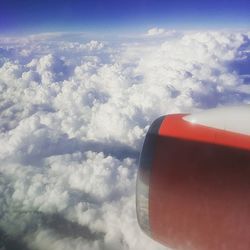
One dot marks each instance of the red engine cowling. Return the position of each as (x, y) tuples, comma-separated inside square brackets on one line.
[(193, 184)]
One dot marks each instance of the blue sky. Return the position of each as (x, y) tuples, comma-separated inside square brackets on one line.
[(108, 15)]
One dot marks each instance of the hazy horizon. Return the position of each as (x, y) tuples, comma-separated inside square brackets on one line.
[(120, 16)]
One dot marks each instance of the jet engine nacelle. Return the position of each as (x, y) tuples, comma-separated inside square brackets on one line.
[(193, 184)]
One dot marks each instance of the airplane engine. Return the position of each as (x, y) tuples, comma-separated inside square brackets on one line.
[(193, 183)]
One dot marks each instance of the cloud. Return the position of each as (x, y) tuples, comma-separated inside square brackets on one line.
[(160, 32), (155, 31), (73, 116)]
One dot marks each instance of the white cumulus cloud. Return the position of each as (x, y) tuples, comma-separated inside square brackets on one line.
[(160, 32), (73, 116)]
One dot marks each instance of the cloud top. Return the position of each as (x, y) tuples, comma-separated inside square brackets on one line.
[(73, 119), (153, 32)]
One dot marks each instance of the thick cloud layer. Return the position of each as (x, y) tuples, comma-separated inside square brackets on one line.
[(74, 114)]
